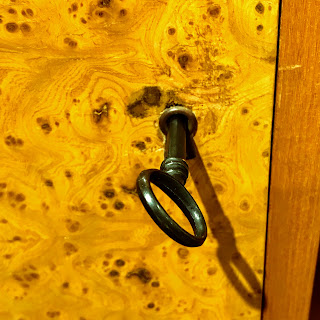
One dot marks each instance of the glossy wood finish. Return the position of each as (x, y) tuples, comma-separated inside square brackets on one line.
[(83, 84), (294, 220)]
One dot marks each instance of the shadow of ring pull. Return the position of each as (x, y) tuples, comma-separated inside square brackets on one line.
[(179, 125)]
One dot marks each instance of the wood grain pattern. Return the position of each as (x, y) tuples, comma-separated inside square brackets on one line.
[(294, 221), (82, 87)]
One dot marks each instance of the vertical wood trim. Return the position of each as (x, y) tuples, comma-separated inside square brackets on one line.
[(294, 203)]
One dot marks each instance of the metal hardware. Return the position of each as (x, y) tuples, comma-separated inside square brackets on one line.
[(179, 125), (192, 126)]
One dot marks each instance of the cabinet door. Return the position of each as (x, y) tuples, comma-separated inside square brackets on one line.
[(82, 87)]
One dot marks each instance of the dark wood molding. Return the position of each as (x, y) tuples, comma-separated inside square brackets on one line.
[(294, 203)]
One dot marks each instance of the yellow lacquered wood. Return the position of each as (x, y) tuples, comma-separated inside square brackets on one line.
[(82, 86)]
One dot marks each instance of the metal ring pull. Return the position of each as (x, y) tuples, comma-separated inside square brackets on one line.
[(179, 125)]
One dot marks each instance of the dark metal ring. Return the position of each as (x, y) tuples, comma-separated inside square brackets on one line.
[(180, 195), (167, 113)]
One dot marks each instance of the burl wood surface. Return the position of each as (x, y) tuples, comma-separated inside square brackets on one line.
[(82, 87)]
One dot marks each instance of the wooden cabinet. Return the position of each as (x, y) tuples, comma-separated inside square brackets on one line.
[(82, 86)]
